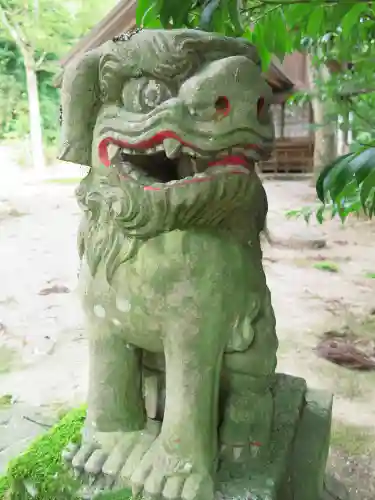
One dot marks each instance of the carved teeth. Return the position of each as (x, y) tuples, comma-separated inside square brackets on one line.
[(150, 151), (112, 150), (189, 151), (127, 151), (172, 148)]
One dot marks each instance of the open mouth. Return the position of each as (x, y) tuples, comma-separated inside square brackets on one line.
[(166, 160)]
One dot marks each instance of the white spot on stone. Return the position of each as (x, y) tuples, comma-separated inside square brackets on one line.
[(237, 452), (116, 322), (99, 311), (188, 467), (122, 305), (116, 207), (254, 451)]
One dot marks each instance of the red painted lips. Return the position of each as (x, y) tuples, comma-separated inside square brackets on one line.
[(158, 139)]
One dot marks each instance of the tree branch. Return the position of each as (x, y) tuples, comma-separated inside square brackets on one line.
[(40, 61), (14, 30)]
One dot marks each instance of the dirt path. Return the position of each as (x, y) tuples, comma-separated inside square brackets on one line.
[(43, 355)]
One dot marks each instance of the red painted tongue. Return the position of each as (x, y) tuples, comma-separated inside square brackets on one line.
[(230, 160)]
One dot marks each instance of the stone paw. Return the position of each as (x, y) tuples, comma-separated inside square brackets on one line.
[(164, 474), (99, 460)]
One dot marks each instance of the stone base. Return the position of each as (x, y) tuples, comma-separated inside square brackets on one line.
[(293, 468), (295, 465)]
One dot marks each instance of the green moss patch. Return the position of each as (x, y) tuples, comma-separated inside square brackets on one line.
[(40, 474), (329, 267)]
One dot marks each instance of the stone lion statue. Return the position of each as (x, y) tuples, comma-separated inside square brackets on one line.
[(182, 388)]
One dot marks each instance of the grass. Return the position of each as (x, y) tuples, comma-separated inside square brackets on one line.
[(370, 275), (6, 400), (39, 473), (351, 439), (8, 359), (327, 266)]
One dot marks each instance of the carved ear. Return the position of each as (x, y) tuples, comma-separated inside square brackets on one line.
[(80, 103)]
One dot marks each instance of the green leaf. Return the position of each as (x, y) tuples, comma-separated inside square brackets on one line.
[(320, 214), (276, 31), (175, 11), (220, 18), (154, 23), (180, 14), (371, 208), (316, 19), (151, 14), (363, 164), (351, 18), (328, 176), (297, 13), (207, 15), (259, 41), (235, 16), (142, 7), (367, 188)]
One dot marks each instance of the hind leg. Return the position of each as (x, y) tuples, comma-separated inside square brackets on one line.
[(248, 377)]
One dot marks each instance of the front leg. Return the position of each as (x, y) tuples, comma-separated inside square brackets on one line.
[(115, 400), (116, 415), (181, 462)]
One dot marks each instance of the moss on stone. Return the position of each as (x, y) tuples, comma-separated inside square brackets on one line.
[(4, 487), (39, 473)]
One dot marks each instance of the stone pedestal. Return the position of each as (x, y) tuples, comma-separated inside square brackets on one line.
[(294, 467)]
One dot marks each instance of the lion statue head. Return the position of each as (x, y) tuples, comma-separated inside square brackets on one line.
[(171, 123)]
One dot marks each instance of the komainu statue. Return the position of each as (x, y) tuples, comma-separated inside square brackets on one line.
[(183, 402)]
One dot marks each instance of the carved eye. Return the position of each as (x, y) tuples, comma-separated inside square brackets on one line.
[(222, 105), (141, 95)]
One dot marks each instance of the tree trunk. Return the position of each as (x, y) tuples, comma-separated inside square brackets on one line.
[(35, 120), (325, 134)]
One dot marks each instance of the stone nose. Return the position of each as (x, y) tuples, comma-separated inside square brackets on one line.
[(215, 109), (207, 95)]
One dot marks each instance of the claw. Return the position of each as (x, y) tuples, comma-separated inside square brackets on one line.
[(91, 479), (108, 481), (69, 452), (77, 473), (136, 490)]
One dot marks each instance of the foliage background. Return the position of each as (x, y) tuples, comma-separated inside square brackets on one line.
[(50, 31)]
